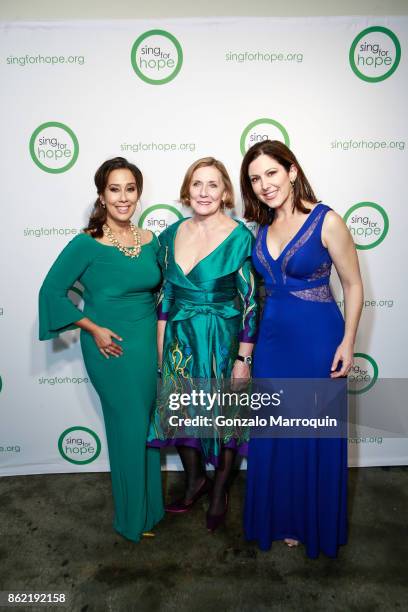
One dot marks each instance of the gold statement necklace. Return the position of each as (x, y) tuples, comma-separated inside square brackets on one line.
[(128, 251)]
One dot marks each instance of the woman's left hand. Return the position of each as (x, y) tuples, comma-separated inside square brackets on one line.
[(344, 353), (241, 373)]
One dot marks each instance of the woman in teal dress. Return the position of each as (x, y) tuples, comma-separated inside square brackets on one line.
[(207, 326), (117, 265)]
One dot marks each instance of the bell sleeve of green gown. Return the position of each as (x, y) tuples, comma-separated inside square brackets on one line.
[(57, 313), (247, 292)]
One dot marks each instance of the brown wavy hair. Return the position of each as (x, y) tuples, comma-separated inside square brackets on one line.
[(254, 209), (202, 163), (98, 214)]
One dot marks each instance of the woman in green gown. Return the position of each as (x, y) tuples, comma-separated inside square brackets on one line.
[(207, 326), (117, 265)]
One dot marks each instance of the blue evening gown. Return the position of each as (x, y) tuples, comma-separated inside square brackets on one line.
[(297, 487)]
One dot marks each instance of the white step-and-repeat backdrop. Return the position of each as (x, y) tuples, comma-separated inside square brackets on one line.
[(164, 93)]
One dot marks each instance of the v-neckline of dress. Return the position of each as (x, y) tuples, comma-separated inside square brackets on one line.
[(203, 258), (294, 237)]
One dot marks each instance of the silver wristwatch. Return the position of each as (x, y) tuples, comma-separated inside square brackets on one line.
[(246, 360)]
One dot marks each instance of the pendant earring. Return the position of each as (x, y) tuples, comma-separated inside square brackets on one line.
[(292, 193), (102, 204)]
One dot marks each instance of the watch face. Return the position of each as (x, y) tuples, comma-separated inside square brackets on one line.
[(246, 360)]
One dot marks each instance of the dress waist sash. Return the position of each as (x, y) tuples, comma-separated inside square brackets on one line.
[(188, 303)]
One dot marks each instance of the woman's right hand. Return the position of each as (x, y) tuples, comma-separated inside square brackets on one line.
[(104, 341)]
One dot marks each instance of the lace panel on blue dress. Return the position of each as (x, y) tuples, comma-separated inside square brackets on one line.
[(298, 244), (316, 294), (322, 271), (260, 254)]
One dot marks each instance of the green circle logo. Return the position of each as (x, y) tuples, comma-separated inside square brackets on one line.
[(262, 129), (375, 54), (79, 445), (363, 374), (54, 147), (158, 217), (156, 57), (368, 224)]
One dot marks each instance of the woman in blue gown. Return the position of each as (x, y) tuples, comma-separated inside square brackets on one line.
[(297, 487)]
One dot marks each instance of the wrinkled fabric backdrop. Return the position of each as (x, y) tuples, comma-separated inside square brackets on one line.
[(162, 94)]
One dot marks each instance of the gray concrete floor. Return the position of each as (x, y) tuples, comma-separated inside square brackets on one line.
[(56, 535)]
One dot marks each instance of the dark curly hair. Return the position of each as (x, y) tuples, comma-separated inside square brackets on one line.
[(98, 214)]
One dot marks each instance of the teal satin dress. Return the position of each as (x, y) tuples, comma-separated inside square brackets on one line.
[(119, 293), (209, 311)]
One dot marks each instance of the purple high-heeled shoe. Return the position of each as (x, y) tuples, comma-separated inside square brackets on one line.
[(178, 507), (213, 521)]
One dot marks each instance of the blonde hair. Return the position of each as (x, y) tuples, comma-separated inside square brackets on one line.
[(228, 201)]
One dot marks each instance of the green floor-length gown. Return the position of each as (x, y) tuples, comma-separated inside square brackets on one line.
[(119, 295)]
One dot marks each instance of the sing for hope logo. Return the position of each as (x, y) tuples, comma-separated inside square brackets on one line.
[(363, 374), (79, 445), (263, 129), (158, 217), (54, 147), (375, 54), (156, 57), (368, 224)]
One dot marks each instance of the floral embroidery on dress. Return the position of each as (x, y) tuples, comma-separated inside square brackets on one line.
[(316, 294), (260, 254), (176, 373), (249, 305), (299, 243), (160, 296), (179, 361)]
